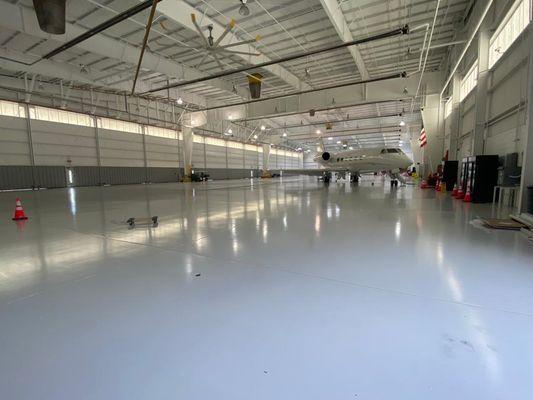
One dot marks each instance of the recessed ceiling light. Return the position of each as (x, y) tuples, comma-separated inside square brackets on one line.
[(330, 138), (339, 142)]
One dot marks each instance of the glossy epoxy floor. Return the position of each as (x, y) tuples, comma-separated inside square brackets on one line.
[(304, 292)]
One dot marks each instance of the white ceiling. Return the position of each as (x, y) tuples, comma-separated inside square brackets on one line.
[(286, 27)]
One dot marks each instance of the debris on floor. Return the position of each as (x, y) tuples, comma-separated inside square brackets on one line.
[(480, 224), (528, 233), (198, 275), (150, 221), (507, 224)]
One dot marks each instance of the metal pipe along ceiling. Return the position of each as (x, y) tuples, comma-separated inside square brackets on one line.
[(280, 96), (101, 27), (359, 104), (396, 32), (335, 121)]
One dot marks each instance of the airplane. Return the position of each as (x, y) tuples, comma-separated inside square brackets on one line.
[(377, 159)]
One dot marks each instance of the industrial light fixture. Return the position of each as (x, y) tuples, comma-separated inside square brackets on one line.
[(255, 136), (330, 138), (351, 148), (318, 132), (339, 142), (230, 131), (243, 9), (284, 134), (179, 101), (230, 117), (402, 123), (299, 149), (263, 127)]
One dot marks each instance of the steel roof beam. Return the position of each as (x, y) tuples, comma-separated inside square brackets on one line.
[(335, 15), (22, 19)]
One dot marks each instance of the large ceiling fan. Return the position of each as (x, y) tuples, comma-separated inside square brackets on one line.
[(214, 48)]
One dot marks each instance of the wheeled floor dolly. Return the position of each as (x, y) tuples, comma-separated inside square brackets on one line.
[(132, 222)]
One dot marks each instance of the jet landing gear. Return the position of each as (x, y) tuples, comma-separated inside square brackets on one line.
[(354, 178)]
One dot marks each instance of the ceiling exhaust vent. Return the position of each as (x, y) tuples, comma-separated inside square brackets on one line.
[(51, 15), (254, 82)]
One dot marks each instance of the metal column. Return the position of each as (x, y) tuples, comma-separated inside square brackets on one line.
[(478, 139), (527, 162), (30, 144)]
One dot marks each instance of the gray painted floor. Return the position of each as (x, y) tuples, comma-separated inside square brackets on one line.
[(350, 292)]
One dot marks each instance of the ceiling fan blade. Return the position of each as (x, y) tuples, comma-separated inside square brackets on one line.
[(228, 29), (202, 60), (245, 53), (199, 30), (218, 61), (227, 46)]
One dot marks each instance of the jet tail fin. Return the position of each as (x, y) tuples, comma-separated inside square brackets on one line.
[(321, 148)]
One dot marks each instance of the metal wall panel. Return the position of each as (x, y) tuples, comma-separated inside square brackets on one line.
[(15, 177), (50, 176), (162, 175), (123, 175), (217, 173), (86, 176), (14, 146)]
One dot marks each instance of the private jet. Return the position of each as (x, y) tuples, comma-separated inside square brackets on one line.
[(356, 162)]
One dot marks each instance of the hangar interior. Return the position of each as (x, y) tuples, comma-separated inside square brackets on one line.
[(296, 254)]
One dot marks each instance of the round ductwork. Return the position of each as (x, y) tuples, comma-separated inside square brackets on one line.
[(51, 15), (326, 156)]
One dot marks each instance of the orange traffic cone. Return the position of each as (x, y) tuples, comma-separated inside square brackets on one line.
[(19, 211), (468, 196), (454, 191), (460, 194)]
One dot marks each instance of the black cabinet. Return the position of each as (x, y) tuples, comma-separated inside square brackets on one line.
[(480, 174), (449, 174)]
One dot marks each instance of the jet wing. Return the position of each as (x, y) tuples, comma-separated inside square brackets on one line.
[(307, 171)]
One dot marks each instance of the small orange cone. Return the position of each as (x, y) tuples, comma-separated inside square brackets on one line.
[(468, 196), (454, 191), (460, 194), (19, 211)]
